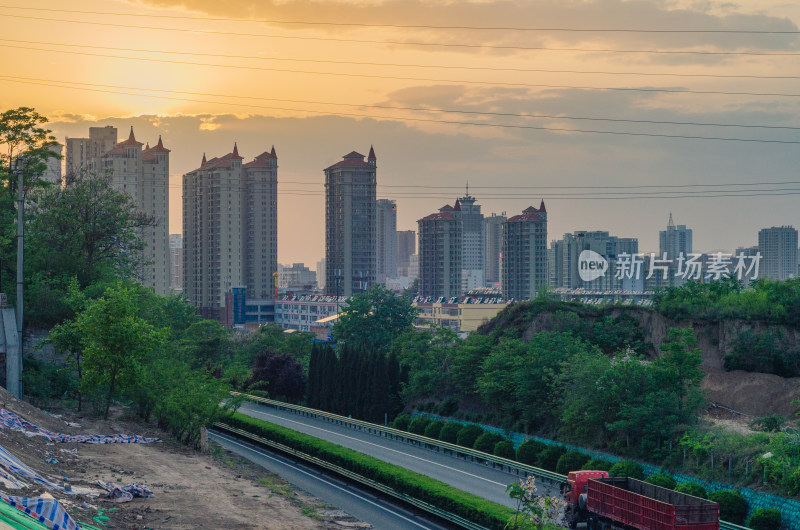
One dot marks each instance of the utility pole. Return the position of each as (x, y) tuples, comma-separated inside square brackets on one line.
[(14, 359)]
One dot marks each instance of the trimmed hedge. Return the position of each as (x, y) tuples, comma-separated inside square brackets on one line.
[(467, 435), (433, 429), (626, 468), (765, 519), (662, 479), (505, 449), (598, 464), (548, 459), (690, 488), (570, 461), (449, 432), (401, 422), (732, 506), (528, 452), (418, 425), (486, 442), (439, 494)]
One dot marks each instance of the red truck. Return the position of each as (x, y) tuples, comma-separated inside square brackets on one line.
[(622, 503)]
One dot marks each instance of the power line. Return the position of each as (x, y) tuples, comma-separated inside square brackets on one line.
[(405, 78), (369, 41), (419, 120), (412, 26), (405, 65), (418, 109), (670, 196)]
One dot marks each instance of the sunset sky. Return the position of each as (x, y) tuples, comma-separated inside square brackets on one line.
[(318, 79)]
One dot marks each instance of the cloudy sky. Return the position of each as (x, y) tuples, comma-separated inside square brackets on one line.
[(612, 111)]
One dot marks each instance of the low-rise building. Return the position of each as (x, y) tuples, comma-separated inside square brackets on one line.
[(461, 314)]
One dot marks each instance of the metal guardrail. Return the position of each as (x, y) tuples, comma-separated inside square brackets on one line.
[(444, 446), (422, 505), (403, 435)]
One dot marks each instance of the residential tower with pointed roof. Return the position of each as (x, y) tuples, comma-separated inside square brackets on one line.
[(524, 261), (230, 230), (350, 224)]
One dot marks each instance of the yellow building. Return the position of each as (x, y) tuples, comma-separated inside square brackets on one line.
[(462, 315)]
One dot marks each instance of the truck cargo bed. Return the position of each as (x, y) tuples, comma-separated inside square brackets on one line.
[(648, 507)]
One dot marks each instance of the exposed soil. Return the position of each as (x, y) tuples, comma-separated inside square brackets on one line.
[(192, 489)]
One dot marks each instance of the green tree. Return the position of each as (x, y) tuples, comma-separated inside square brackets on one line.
[(23, 141), (87, 230), (373, 319), (732, 506), (116, 341), (690, 488)]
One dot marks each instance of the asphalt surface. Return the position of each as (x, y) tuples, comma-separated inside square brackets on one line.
[(473, 477), (358, 502)]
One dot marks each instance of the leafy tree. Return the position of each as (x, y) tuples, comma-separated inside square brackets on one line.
[(732, 506), (86, 230), (571, 461), (663, 480), (433, 429), (504, 449), (427, 355), (693, 489), (468, 434), (418, 425), (597, 464), (116, 341), (372, 320), (486, 441), (23, 140), (528, 451), (765, 519), (626, 468), (280, 375), (401, 422), (449, 432), (548, 458)]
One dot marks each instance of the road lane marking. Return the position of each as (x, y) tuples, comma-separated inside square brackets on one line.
[(379, 446), (321, 480)]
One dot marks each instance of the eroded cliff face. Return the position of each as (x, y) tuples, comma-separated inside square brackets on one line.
[(750, 393)]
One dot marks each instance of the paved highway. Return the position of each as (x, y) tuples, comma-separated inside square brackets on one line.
[(353, 500), (473, 477)]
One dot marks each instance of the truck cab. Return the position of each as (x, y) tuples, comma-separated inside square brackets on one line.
[(575, 494)]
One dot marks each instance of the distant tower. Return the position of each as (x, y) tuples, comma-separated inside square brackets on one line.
[(525, 254), (440, 254), (472, 257), (350, 224), (386, 239)]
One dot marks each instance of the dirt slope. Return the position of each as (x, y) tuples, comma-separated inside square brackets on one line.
[(192, 490)]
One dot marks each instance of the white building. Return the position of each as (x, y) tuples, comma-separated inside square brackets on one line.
[(230, 230), (143, 174), (301, 312), (176, 263), (778, 248), (385, 239), (296, 276)]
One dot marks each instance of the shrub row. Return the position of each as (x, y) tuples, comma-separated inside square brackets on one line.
[(443, 496), (472, 436)]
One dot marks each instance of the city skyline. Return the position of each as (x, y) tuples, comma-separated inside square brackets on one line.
[(673, 71)]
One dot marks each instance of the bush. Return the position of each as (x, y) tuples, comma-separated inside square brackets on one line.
[(448, 407), (443, 496), (765, 519), (662, 479), (485, 442), (418, 425), (548, 459), (449, 432), (528, 452), (433, 429), (467, 435), (401, 422), (771, 423), (504, 449), (690, 488), (597, 464), (792, 483), (732, 506), (571, 461), (627, 468)]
